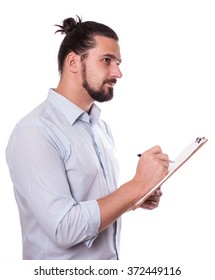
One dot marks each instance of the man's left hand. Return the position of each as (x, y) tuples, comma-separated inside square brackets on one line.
[(152, 201)]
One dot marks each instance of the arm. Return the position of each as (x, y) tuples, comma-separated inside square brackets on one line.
[(151, 168)]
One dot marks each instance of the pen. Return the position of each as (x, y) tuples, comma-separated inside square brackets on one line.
[(171, 161)]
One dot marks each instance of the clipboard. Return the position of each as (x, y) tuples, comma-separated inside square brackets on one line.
[(173, 167)]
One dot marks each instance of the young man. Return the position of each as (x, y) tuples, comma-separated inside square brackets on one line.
[(62, 160)]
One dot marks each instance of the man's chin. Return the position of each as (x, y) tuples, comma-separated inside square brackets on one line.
[(104, 99), (104, 95)]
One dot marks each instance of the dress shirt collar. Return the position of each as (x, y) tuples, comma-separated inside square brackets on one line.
[(71, 111)]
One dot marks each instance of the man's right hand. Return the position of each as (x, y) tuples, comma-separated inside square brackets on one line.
[(152, 167)]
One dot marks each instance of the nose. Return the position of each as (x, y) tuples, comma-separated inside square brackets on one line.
[(116, 72)]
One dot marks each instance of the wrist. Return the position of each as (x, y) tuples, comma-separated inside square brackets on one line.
[(135, 190)]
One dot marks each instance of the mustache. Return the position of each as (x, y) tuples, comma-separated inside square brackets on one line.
[(112, 81)]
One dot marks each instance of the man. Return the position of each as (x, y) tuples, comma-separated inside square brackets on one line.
[(62, 160)]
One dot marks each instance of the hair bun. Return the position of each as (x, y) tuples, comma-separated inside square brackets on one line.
[(68, 25)]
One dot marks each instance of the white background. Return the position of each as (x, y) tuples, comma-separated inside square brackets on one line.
[(166, 97)]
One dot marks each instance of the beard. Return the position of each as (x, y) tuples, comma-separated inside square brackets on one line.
[(100, 95)]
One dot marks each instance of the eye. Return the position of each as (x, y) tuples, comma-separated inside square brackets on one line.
[(107, 60)]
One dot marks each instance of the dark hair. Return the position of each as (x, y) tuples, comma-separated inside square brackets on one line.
[(80, 37)]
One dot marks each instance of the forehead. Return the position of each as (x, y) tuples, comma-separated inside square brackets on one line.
[(106, 46)]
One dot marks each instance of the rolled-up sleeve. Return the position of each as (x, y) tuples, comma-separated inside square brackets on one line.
[(92, 220), (80, 224)]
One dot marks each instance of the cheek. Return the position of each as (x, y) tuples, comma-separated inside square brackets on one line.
[(95, 79), (95, 74)]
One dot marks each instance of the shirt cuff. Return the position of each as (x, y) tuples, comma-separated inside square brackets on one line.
[(91, 213)]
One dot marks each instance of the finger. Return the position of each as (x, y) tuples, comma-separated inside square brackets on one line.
[(156, 149), (152, 201), (150, 205), (158, 192), (153, 150), (155, 195), (165, 159), (163, 156), (155, 198)]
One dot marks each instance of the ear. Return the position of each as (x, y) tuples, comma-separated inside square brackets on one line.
[(72, 62)]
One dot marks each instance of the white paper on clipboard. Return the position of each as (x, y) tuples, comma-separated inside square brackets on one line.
[(173, 167)]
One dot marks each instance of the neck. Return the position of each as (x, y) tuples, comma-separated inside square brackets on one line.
[(77, 96)]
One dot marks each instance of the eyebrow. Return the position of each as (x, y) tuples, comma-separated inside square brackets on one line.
[(112, 57)]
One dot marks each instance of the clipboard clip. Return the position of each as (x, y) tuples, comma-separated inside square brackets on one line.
[(200, 139)]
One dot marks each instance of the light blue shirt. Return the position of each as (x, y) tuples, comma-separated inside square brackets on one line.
[(62, 160)]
